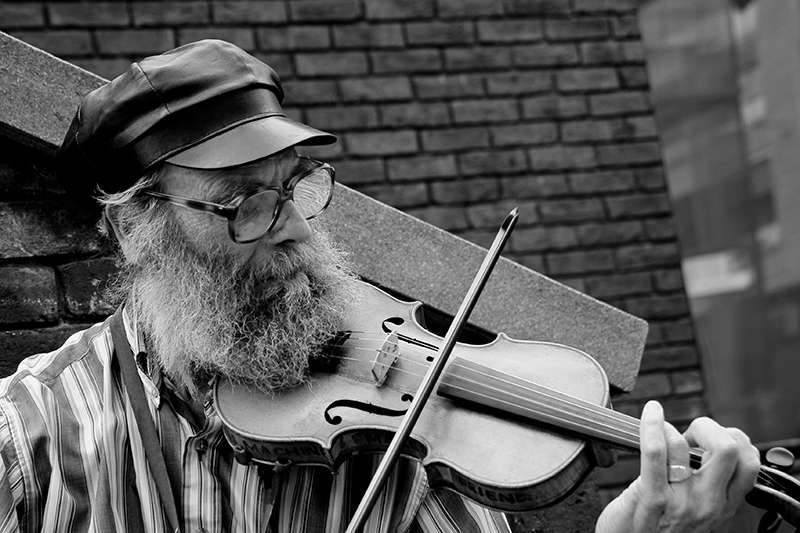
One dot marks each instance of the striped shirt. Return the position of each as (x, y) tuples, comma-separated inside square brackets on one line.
[(70, 461)]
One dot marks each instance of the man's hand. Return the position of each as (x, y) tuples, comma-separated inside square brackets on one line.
[(653, 503)]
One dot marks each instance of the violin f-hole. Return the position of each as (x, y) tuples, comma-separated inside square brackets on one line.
[(335, 420)]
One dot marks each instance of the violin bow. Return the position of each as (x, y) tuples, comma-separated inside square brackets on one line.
[(432, 376)]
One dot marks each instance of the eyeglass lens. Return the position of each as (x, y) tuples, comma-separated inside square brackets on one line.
[(257, 213)]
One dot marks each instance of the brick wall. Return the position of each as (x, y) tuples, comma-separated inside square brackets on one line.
[(451, 110)]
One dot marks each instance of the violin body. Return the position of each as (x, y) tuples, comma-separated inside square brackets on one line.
[(496, 458)]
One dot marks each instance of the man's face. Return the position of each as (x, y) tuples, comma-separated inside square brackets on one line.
[(206, 232), (252, 312)]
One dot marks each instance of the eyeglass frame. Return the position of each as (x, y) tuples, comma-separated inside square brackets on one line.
[(231, 210)]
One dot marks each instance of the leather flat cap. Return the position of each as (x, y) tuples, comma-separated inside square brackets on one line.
[(207, 104)]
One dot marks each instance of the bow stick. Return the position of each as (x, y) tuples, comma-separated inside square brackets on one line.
[(432, 376)]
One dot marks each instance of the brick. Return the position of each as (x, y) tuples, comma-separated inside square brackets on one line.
[(651, 386), (248, 12), (85, 284), (616, 285), (562, 157), (651, 179), (669, 279), (625, 27), (484, 111), (283, 63), (360, 171), (587, 79), (661, 229), (296, 37), (610, 233), (465, 190), (648, 255), (449, 139), (376, 89), (382, 143), (440, 33), (546, 55), (46, 228), (311, 91), (352, 117), (421, 167), (600, 182), (669, 357), (579, 262), (658, 307), (61, 43), (640, 127), (552, 106), (519, 83), (613, 6), (27, 294), (16, 345), (526, 134), (415, 114), (331, 64), (477, 59), (583, 209), (633, 78), (88, 15), (468, 8), (325, 10), (170, 13), (448, 86), (241, 36), (638, 205), (677, 331), (490, 215), (368, 36), (398, 9), (687, 382), (627, 154), (135, 42), (619, 103), (400, 196), (26, 15), (537, 7), (444, 217), (600, 130), (510, 31), (535, 186), (684, 410), (542, 239), (411, 60), (613, 52), (576, 29), (492, 162)]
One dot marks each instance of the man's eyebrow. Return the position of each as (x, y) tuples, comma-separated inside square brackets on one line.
[(223, 191)]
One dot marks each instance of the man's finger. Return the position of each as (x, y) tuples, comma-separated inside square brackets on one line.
[(653, 445)]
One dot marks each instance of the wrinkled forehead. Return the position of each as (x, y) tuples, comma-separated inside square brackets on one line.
[(218, 185)]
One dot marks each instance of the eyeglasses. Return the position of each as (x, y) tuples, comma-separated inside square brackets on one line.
[(253, 214)]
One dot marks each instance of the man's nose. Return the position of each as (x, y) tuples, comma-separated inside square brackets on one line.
[(291, 227)]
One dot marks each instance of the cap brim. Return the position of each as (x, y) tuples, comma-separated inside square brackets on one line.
[(250, 141)]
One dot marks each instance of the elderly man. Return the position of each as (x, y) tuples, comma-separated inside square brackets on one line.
[(226, 272)]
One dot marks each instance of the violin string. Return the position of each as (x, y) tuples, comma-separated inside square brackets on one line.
[(763, 476)]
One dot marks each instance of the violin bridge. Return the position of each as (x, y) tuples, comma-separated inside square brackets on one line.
[(385, 358)]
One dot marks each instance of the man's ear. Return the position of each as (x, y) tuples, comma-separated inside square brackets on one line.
[(112, 226)]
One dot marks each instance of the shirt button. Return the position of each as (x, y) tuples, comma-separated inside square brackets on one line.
[(201, 445)]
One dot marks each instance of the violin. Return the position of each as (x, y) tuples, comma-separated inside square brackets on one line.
[(514, 425)]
